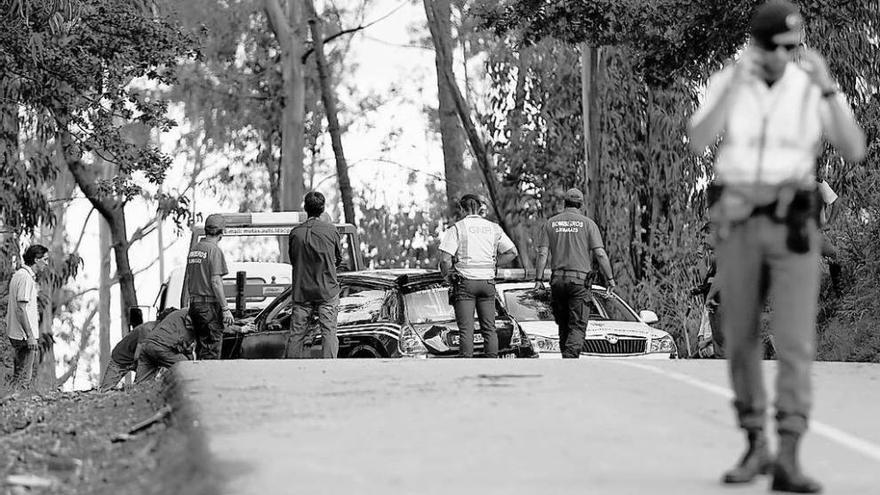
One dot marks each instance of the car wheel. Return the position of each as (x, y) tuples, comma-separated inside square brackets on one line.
[(364, 351)]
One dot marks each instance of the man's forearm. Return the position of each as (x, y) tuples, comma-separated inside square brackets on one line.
[(445, 264), (702, 133), (540, 263), (605, 264), (219, 295), (506, 257), (23, 322), (844, 132)]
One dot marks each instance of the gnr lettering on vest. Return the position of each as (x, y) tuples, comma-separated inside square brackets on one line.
[(479, 230)]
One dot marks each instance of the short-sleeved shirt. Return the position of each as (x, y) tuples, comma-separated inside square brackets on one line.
[(571, 237), (474, 243), (123, 351), (773, 134), (174, 332), (205, 260), (315, 251), (22, 288)]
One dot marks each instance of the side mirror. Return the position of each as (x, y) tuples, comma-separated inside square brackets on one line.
[(135, 317), (648, 316)]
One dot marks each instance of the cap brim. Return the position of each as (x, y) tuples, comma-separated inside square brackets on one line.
[(789, 37)]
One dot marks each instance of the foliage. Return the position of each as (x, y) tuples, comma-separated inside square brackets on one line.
[(404, 235), (656, 54)]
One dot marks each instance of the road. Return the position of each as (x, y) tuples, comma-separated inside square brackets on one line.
[(509, 426)]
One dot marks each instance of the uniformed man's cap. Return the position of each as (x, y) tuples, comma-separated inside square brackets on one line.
[(574, 195), (776, 22), (215, 223)]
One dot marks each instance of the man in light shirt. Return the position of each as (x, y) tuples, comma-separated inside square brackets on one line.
[(22, 315), (772, 114), (478, 247)]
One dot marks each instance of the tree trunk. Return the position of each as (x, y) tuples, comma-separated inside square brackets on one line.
[(289, 33), (104, 285), (451, 137), (591, 77), (478, 147), (329, 100)]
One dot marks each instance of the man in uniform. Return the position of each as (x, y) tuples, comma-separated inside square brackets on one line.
[(478, 246), (205, 267), (124, 357), (315, 251), (572, 240), (772, 114), (170, 341), (22, 315)]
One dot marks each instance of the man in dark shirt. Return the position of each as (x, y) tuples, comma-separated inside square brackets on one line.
[(572, 239), (124, 357), (169, 342), (205, 267), (315, 252)]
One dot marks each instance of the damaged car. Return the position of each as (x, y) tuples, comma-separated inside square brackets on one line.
[(382, 314)]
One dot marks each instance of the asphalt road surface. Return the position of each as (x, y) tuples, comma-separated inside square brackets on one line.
[(510, 426)]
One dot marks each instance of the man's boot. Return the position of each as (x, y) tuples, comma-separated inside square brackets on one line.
[(755, 461), (787, 475)]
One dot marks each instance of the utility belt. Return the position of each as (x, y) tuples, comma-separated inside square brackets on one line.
[(454, 278), (202, 299), (793, 206), (572, 275)]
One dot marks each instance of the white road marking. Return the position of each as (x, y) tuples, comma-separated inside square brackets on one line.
[(837, 435)]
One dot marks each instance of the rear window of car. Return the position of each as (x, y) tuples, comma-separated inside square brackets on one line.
[(427, 306)]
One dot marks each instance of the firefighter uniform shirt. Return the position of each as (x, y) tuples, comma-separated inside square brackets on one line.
[(571, 238), (474, 242), (204, 260)]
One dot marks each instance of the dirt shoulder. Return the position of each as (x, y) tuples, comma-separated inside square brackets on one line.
[(81, 442)]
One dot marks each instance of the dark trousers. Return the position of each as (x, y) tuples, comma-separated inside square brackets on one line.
[(24, 364), (154, 357), (479, 294), (207, 322), (570, 301)]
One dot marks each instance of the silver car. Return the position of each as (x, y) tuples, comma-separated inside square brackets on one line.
[(614, 330)]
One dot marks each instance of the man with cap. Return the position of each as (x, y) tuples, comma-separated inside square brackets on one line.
[(205, 268), (477, 246), (772, 112), (572, 240), (315, 251)]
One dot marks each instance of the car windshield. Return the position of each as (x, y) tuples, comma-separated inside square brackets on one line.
[(534, 305), (428, 306)]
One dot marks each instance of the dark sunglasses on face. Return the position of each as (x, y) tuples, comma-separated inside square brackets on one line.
[(772, 47)]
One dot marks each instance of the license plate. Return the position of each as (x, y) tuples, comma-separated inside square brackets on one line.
[(478, 339)]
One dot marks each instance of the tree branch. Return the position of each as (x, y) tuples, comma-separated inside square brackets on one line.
[(361, 27), (73, 362)]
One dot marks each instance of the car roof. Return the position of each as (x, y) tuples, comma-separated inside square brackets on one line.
[(406, 279)]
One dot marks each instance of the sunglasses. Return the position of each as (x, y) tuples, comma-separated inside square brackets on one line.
[(772, 47)]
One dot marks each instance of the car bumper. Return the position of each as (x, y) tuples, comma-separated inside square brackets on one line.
[(584, 355)]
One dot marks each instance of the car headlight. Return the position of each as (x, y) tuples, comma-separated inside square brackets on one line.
[(544, 344), (663, 344), (410, 344)]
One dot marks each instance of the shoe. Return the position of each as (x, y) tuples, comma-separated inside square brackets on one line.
[(787, 474), (755, 461)]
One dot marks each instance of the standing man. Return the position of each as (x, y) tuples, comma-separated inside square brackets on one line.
[(170, 341), (22, 315), (315, 251), (772, 114), (572, 240), (205, 267), (477, 246)]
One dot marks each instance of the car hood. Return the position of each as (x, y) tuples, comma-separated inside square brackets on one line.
[(595, 329)]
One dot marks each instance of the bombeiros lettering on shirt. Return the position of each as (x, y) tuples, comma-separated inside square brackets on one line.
[(196, 257), (567, 226)]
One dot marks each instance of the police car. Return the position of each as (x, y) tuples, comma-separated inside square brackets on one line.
[(614, 330), (382, 314)]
